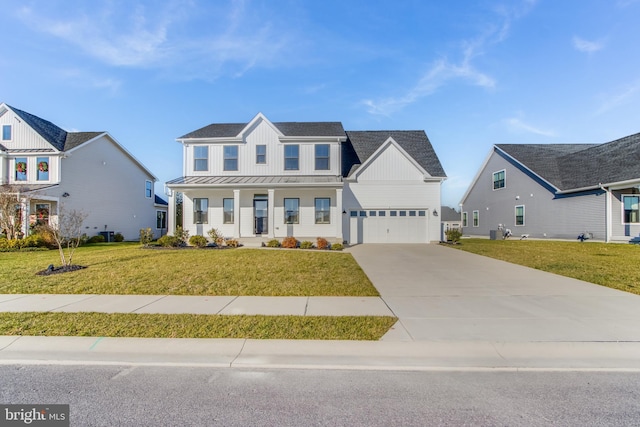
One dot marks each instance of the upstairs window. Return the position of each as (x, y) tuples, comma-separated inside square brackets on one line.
[(291, 157), (631, 209), (231, 157), (43, 169), (498, 180), (21, 168), (261, 154), (6, 132), (322, 157), (200, 211), (148, 189), (200, 158)]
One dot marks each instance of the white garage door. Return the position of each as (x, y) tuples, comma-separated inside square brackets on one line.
[(389, 226)]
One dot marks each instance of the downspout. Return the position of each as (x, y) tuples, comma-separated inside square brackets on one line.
[(607, 224)]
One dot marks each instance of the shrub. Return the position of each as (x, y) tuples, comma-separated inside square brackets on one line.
[(216, 236), (289, 242), (199, 241), (98, 238), (182, 234), (118, 237), (337, 247), (168, 241), (306, 245), (453, 235), (273, 243), (46, 236), (232, 243), (322, 243), (146, 236)]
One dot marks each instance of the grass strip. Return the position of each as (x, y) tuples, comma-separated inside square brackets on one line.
[(608, 264), (195, 326), (127, 269)]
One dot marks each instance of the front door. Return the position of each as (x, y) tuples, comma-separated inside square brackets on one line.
[(260, 214)]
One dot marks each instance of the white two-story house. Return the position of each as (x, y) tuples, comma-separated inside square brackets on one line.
[(91, 172), (308, 180)]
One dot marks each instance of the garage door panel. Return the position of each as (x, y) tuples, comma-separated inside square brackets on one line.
[(394, 229)]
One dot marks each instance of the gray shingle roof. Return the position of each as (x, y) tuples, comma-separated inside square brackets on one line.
[(230, 130), (575, 166), (449, 214), (414, 142), (75, 139)]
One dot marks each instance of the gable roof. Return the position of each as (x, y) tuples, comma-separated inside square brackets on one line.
[(232, 130), (580, 166), (449, 214), (60, 139), (362, 144)]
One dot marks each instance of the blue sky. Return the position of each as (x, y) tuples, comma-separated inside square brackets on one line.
[(471, 74)]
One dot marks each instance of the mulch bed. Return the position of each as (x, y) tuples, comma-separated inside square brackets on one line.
[(58, 270)]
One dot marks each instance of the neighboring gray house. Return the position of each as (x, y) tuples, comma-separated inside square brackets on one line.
[(557, 191), (85, 171), (263, 180)]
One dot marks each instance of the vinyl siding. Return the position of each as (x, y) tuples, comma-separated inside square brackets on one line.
[(21, 134)]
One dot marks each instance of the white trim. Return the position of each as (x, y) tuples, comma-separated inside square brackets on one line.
[(515, 216), (493, 180), (622, 196)]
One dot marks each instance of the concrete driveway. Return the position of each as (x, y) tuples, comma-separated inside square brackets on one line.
[(443, 294)]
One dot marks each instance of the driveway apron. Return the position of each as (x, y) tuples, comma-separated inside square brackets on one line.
[(443, 294)]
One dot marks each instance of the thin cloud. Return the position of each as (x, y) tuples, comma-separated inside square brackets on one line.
[(444, 71), (618, 99), (587, 46), (517, 125)]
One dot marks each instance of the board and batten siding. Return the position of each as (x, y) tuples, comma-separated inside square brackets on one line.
[(105, 183), (20, 131), (262, 134), (545, 215)]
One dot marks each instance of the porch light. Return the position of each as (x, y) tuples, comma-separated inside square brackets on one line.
[(435, 212), (65, 194)]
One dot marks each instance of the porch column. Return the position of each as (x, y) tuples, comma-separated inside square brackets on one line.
[(236, 214), (171, 213), (270, 221), (607, 217), (338, 215), (25, 205)]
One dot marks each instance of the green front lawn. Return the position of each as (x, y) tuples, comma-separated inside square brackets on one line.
[(126, 268), (195, 326), (609, 264)]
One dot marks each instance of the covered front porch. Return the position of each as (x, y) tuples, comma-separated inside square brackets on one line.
[(310, 207)]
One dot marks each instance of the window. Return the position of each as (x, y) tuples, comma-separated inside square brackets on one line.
[(476, 218), (382, 213), (373, 213), (261, 154), (200, 158), (291, 157), (161, 220), (148, 189), (393, 213), (403, 213), (227, 209), (498, 180), (631, 209), (322, 157), (353, 213), (465, 221), (323, 211), (422, 213), (21, 168), (200, 211), (42, 213), (231, 157), (519, 215), (412, 213), (6, 132), (291, 211), (43, 169)]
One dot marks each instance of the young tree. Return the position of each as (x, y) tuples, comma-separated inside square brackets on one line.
[(10, 210), (67, 232)]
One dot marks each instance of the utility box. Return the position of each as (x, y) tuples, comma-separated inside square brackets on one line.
[(493, 234), (108, 236)]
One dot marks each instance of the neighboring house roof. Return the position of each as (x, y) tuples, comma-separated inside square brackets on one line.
[(449, 214), (231, 130), (362, 144), (160, 201), (579, 166)]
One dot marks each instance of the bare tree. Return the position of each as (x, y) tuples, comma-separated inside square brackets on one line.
[(10, 214), (66, 230)]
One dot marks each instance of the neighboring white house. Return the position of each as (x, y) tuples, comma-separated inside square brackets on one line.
[(85, 171), (558, 191), (308, 180)]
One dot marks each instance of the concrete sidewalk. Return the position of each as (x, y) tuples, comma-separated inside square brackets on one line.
[(176, 304)]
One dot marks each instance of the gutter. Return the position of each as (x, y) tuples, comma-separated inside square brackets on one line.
[(607, 215)]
